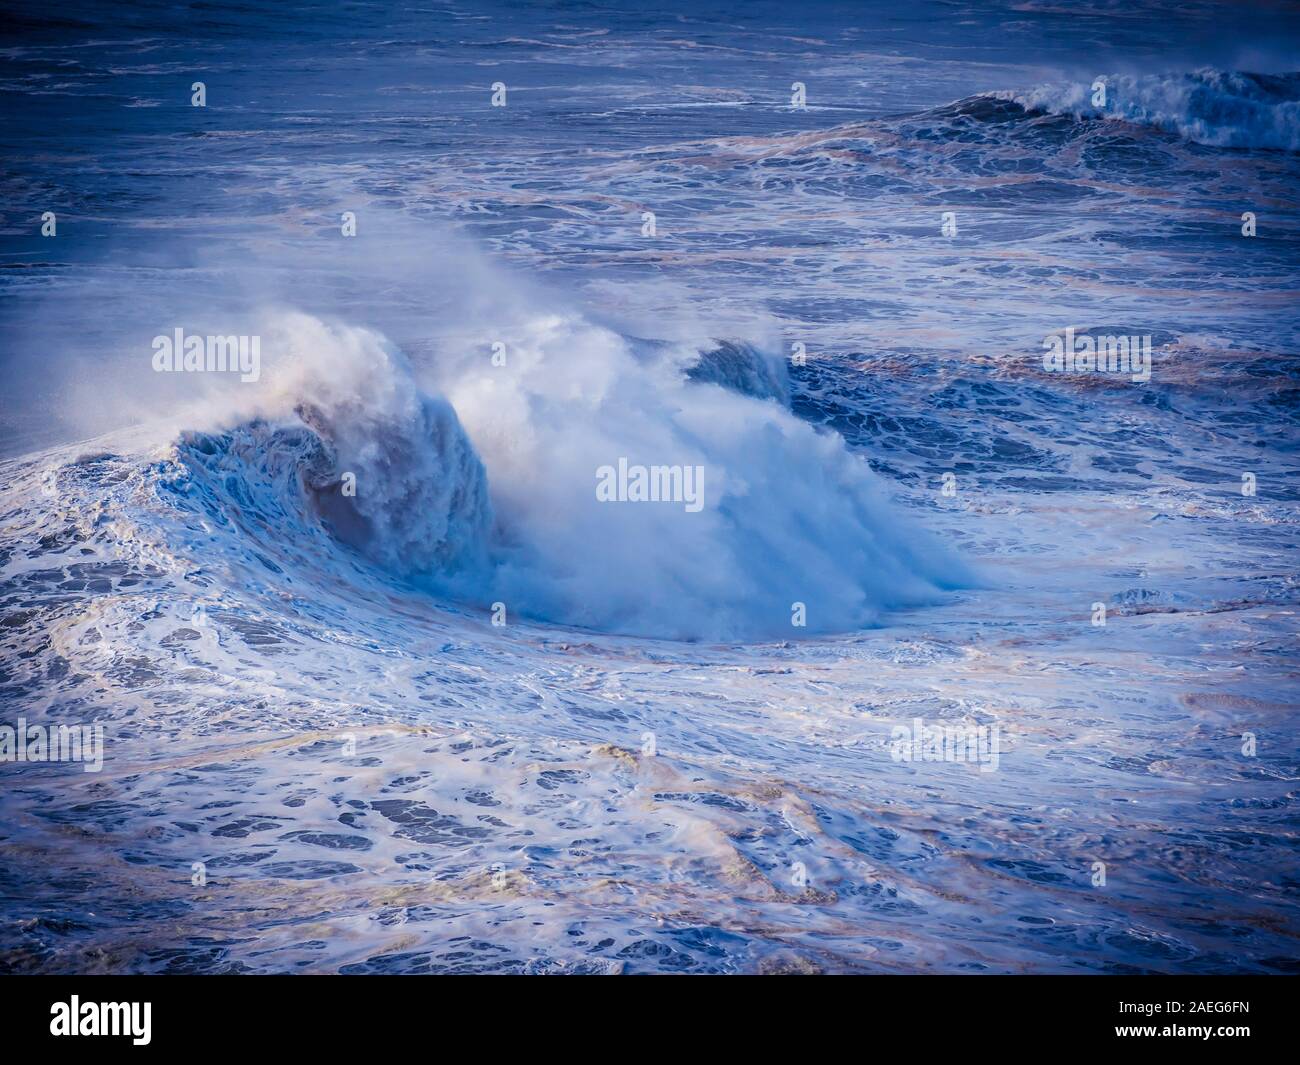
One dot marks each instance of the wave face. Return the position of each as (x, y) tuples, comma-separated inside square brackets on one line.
[(1223, 108), (389, 468), (745, 369)]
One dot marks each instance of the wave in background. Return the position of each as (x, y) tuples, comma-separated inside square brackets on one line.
[(1221, 108)]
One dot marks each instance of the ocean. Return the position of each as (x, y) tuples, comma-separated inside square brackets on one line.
[(585, 488)]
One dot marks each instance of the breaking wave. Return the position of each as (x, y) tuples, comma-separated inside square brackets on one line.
[(489, 493), (1225, 109)]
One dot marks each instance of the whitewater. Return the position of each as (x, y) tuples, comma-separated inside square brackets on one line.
[(388, 687)]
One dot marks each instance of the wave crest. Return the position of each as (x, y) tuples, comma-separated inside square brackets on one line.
[(346, 429), (1225, 109)]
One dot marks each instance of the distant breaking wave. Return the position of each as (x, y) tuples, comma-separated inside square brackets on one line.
[(1225, 109), (489, 494)]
